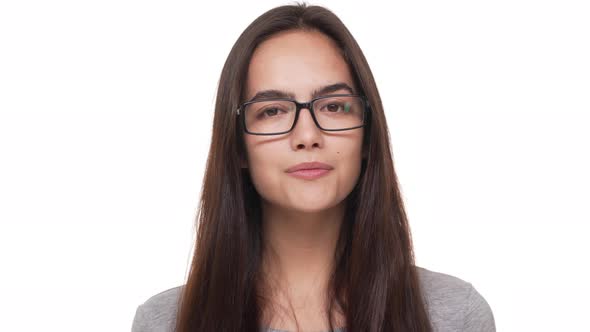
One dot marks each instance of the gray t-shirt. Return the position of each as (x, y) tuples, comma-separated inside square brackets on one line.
[(452, 304)]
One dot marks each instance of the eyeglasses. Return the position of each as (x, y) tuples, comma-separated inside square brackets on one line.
[(279, 115)]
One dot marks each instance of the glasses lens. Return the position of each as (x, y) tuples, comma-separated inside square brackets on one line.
[(277, 116), (267, 117), (339, 112)]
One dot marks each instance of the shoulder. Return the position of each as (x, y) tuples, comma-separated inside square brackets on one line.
[(157, 313), (454, 304)]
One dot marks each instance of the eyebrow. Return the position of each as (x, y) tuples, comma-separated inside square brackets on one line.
[(273, 93)]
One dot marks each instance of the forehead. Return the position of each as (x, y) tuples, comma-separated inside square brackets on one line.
[(298, 62)]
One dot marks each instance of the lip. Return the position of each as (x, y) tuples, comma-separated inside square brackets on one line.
[(309, 171), (312, 165)]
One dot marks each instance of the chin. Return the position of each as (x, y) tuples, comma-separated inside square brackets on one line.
[(312, 206), (310, 209)]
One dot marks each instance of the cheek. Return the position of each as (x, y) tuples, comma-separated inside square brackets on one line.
[(350, 164), (263, 169)]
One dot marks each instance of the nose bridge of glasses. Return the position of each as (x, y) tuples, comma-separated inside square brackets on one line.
[(304, 105), (308, 107)]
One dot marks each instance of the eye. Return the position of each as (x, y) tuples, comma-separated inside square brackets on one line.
[(333, 107), (269, 112), (336, 107)]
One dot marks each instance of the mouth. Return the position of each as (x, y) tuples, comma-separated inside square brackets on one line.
[(309, 171), (310, 174), (311, 165)]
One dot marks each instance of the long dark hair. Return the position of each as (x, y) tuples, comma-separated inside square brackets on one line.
[(374, 280)]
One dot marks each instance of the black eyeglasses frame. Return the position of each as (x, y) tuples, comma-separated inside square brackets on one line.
[(299, 106)]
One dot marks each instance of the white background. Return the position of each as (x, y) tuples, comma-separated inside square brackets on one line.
[(105, 122)]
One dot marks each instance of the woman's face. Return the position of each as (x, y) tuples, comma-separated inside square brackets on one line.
[(299, 63)]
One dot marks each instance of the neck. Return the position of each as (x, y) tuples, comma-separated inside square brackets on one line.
[(299, 247)]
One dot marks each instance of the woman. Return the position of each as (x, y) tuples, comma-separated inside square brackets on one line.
[(301, 224)]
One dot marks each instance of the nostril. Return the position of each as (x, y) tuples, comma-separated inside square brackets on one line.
[(302, 145)]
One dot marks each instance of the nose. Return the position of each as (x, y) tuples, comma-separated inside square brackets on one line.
[(306, 134)]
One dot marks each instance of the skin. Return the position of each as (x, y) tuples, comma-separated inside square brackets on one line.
[(301, 218)]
